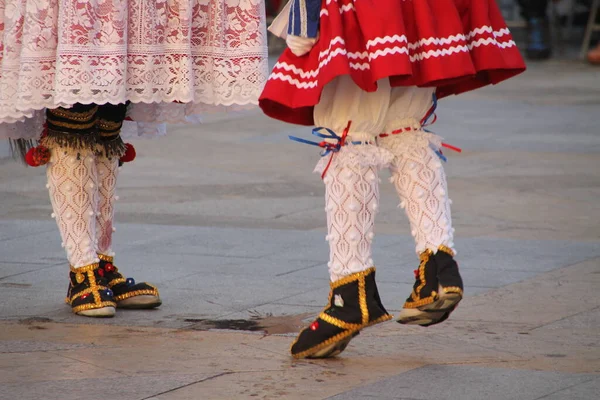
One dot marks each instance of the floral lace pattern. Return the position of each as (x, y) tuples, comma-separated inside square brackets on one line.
[(201, 52), (420, 181), (108, 170), (351, 203), (72, 183)]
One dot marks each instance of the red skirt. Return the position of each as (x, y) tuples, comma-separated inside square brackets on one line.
[(454, 45)]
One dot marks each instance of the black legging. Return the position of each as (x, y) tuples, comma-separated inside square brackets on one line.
[(533, 8)]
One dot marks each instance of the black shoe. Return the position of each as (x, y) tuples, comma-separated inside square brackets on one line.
[(354, 304), (88, 292), (128, 293), (539, 45), (437, 290)]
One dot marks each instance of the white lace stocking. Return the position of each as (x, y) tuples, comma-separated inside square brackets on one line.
[(351, 202), (107, 181), (420, 180), (72, 183)]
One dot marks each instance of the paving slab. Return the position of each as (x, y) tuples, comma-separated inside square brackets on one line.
[(469, 382)]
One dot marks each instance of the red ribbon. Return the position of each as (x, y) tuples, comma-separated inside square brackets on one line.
[(334, 148)]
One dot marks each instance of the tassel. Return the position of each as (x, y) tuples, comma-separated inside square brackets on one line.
[(20, 147), (37, 156), (129, 154)]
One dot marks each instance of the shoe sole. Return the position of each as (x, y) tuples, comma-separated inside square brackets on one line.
[(143, 302), (104, 312), (334, 349), (430, 314)]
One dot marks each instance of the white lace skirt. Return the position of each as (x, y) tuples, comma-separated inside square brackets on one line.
[(172, 59)]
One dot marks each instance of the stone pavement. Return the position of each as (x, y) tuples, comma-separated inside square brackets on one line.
[(227, 219)]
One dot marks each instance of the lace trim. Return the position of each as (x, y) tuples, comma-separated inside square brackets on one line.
[(197, 52), (363, 155)]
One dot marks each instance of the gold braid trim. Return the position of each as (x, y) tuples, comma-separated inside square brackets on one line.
[(82, 116), (416, 293), (452, 289), (421, 302), (84, 291), (446, 250), (71, 125), (339, 323), (350, 327), (379, 320), (93, 306), (150, 292), (85, 268), (94, 290), (322, 345), (106, 258), (351, 278), (116, 281), (109, 125), (362, 300)]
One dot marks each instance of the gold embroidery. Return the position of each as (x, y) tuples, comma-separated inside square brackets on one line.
[(379, 320), (420, 302), (70, 125), (452, 289), (109, 125), (362, 300), (85, 291), (105, 258), (416, 293), (92, 306), (446, 250), (85, 268), (351, 278), (116, 281), (150, 292), (350, 328), (94, 289), (64, 113), (322, 345), (338, 322)]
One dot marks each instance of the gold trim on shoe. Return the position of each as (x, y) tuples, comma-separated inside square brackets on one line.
[(446, 250), (106, 258), (149, 292), (452, 289), (116, 281), (85, 268), (70, 125), (76, 116), (93, 306), (324, 344), (417, 300), (351, 328), (351, 278), (94, 289)]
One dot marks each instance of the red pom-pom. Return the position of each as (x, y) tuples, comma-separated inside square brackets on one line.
[(129, 154), (37, 156), (29, 158)]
